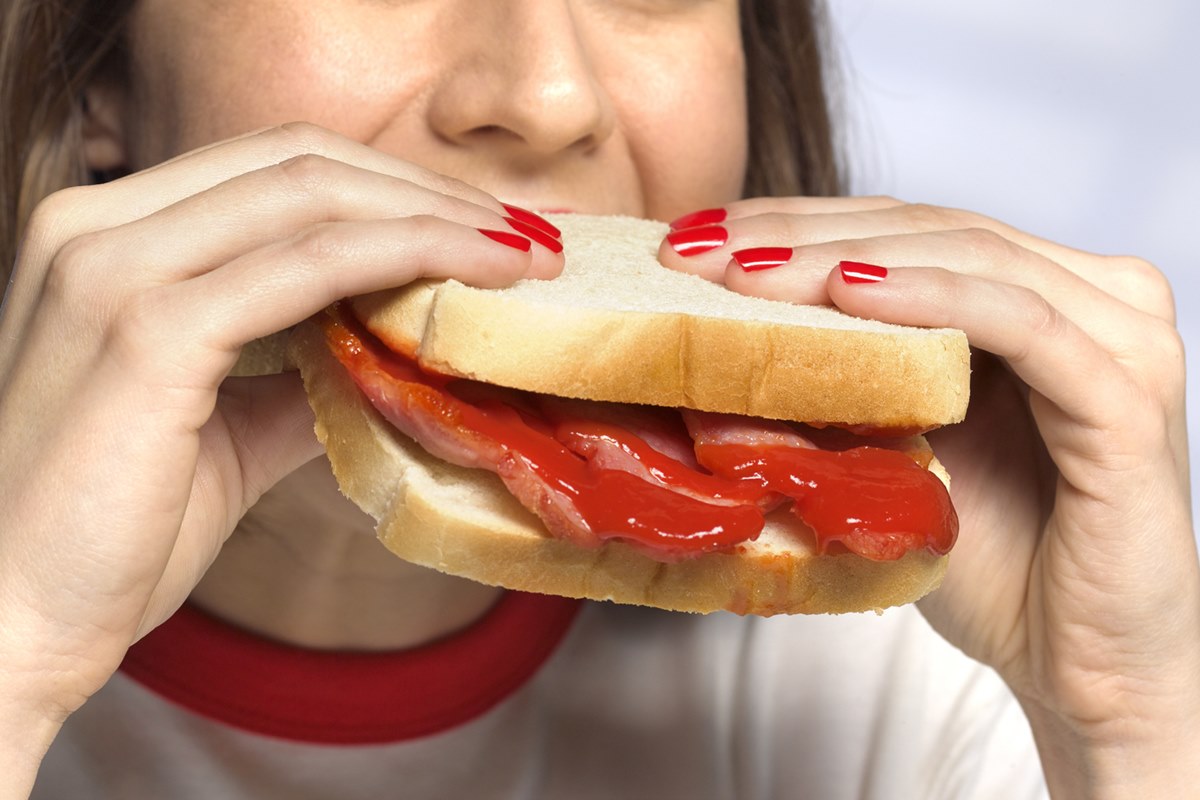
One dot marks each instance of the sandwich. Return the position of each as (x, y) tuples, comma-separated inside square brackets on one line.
[(629, 433)]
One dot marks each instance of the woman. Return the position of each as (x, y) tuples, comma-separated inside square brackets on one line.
[(129, 458)]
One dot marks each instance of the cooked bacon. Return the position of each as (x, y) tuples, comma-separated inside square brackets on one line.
[(609, 447), (427, 415), (711, 428), (552, 505), (660, 428)]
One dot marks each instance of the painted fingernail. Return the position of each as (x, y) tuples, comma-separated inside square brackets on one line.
[(530, 218), (755, 259), (537, 234), (858, 272), (510, 239), (694, 241), (696, 219)]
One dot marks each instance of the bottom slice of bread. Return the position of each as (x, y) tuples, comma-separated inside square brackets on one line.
[(464, 522)]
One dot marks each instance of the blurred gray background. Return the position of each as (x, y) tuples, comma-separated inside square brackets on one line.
[(1076, 120)]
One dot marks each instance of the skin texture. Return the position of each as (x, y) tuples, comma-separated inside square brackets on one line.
[(1076, 571)]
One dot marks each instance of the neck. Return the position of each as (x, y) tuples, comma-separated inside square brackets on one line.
[(304, 567)]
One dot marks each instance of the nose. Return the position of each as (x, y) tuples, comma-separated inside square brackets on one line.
[(522, 79)]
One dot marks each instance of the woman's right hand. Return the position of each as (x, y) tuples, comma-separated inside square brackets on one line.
[(127, 456)]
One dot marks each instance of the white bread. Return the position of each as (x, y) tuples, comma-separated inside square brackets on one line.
[(464, 522), (618, 326)]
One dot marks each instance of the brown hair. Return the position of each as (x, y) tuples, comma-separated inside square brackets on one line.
[(51, 49), (793, 149)]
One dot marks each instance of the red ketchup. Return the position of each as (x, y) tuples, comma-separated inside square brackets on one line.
[(875, 502)]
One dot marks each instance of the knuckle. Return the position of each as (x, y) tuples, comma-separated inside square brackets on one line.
[(90, 303), (302, 137), (317, 244), (928, 217), (987, 246), (1144, 285), (52, 219), (425, 223), (444, 184), (310, 173), (1043, 320), (426, 227)]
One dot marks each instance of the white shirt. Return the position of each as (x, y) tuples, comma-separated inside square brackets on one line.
[(634, 703)]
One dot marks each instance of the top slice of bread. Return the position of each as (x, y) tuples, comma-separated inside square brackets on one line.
[(619, 326)]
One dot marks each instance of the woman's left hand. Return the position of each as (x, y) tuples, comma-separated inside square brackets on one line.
[(1075, 574)]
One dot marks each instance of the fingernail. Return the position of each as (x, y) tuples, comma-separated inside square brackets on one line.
[(696, 219), (530, 218), (754, 259), (694, 241), (537, 234), (858, 272), (510, 239)]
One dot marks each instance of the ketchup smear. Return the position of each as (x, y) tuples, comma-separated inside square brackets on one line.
[(875, 502)]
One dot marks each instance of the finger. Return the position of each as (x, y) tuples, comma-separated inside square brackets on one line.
[(269, 424), (250, 210), (705, 249), (779, 205), (283, 283), (794, 222), (1043, 347), (802, 277), (75, 212)]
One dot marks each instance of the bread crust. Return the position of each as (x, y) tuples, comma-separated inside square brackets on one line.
[(713, 350), (463, 522)]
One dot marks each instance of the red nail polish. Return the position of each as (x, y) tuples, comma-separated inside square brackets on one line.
[(694, 241), (754, 259), (537, 234), (858, 272), (707, 216), (510, 239), (530, 218)]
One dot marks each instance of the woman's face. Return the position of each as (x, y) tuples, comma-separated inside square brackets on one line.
[(603, 106)]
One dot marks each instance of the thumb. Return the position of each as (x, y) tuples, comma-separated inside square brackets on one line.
[(267, 429), (265, 433), (270, 427)]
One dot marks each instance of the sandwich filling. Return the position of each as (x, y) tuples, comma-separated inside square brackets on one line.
[(674, 484)]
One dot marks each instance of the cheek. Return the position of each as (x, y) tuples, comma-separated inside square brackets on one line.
[(206, 74), (687, 130)]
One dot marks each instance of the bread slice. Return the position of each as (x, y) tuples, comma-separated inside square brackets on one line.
[(464, 522), (619, 326)]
